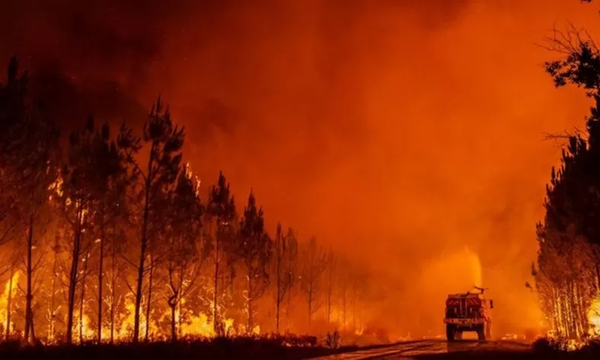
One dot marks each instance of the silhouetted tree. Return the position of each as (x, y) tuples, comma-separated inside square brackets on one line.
[(568, 270), (331, 267), (109, 206), (52, 306), (344, 284), (28, 167), (94, 189), (13, 137), (286, 256), (313, 264), (165, 141), (75, 198), (186, 250), (254, 250), (221, 210)]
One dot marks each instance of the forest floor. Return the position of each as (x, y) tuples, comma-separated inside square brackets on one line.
[(297, 348), (220, 348)]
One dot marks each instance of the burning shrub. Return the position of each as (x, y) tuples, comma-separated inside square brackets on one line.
[(333, 340), (547, 345)]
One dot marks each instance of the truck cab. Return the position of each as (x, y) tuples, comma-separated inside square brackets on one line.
[(468, 312)]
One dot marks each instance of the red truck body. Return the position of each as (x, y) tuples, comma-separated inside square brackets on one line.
[(468, 312)]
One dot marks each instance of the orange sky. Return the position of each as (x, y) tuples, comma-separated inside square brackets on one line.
[(402, 131), (399, 137)]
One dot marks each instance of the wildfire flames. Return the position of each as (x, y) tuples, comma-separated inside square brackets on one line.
[(594, 318), (8, 295), (194, 326)]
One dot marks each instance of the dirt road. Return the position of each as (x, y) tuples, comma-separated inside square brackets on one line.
[(412, 349)]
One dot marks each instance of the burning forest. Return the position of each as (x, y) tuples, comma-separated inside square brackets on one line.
[(107, 237), (298, 172), (567, 275)]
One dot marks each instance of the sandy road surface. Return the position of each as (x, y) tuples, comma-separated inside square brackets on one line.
[(410, 349)]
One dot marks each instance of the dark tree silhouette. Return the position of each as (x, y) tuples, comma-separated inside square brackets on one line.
[(13, 136), (331, 268), (221, 209), (186, 250), (108, 206), (314, 264), (75, 201), (254, 250), (28, 168), (165, 141), (568, 272), (285, 268)]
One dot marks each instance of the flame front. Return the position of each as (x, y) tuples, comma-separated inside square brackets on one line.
[(594, 317), (8, 295)]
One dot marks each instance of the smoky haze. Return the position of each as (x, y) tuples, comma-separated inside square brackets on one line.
[(407, 133)]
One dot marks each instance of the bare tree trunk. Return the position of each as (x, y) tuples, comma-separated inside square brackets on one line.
[(287, 310), (73, 274), (584, 325), (149, 302), (173, 305), (598, 277), (344, 308), (569, 312), (250, 299), (278, 301), (216, 320), (329, 291), (33, 329), (52, 316), (112, 294), (82, 300), (180, 318), (8, 301), (143, 248), (250, 317), (29, 295), (556, 319), (354, 311), (138, 295), (100, 269), (561, 314), (310, 300), (278, 247), (172, 300)]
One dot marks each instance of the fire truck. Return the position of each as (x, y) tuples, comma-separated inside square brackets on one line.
[(468, 312)]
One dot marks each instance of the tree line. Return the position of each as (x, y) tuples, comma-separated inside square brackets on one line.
[(567, 274), (107, 234)]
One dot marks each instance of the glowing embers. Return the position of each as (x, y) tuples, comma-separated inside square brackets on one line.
[(594, 317)]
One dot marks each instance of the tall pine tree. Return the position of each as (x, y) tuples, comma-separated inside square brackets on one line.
[(254, 249)]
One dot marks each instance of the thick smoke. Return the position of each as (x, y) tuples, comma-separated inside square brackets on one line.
[(408, 133)]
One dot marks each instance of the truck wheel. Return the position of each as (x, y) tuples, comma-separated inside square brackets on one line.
[(488, 332), (481, 333), (450, 332)]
